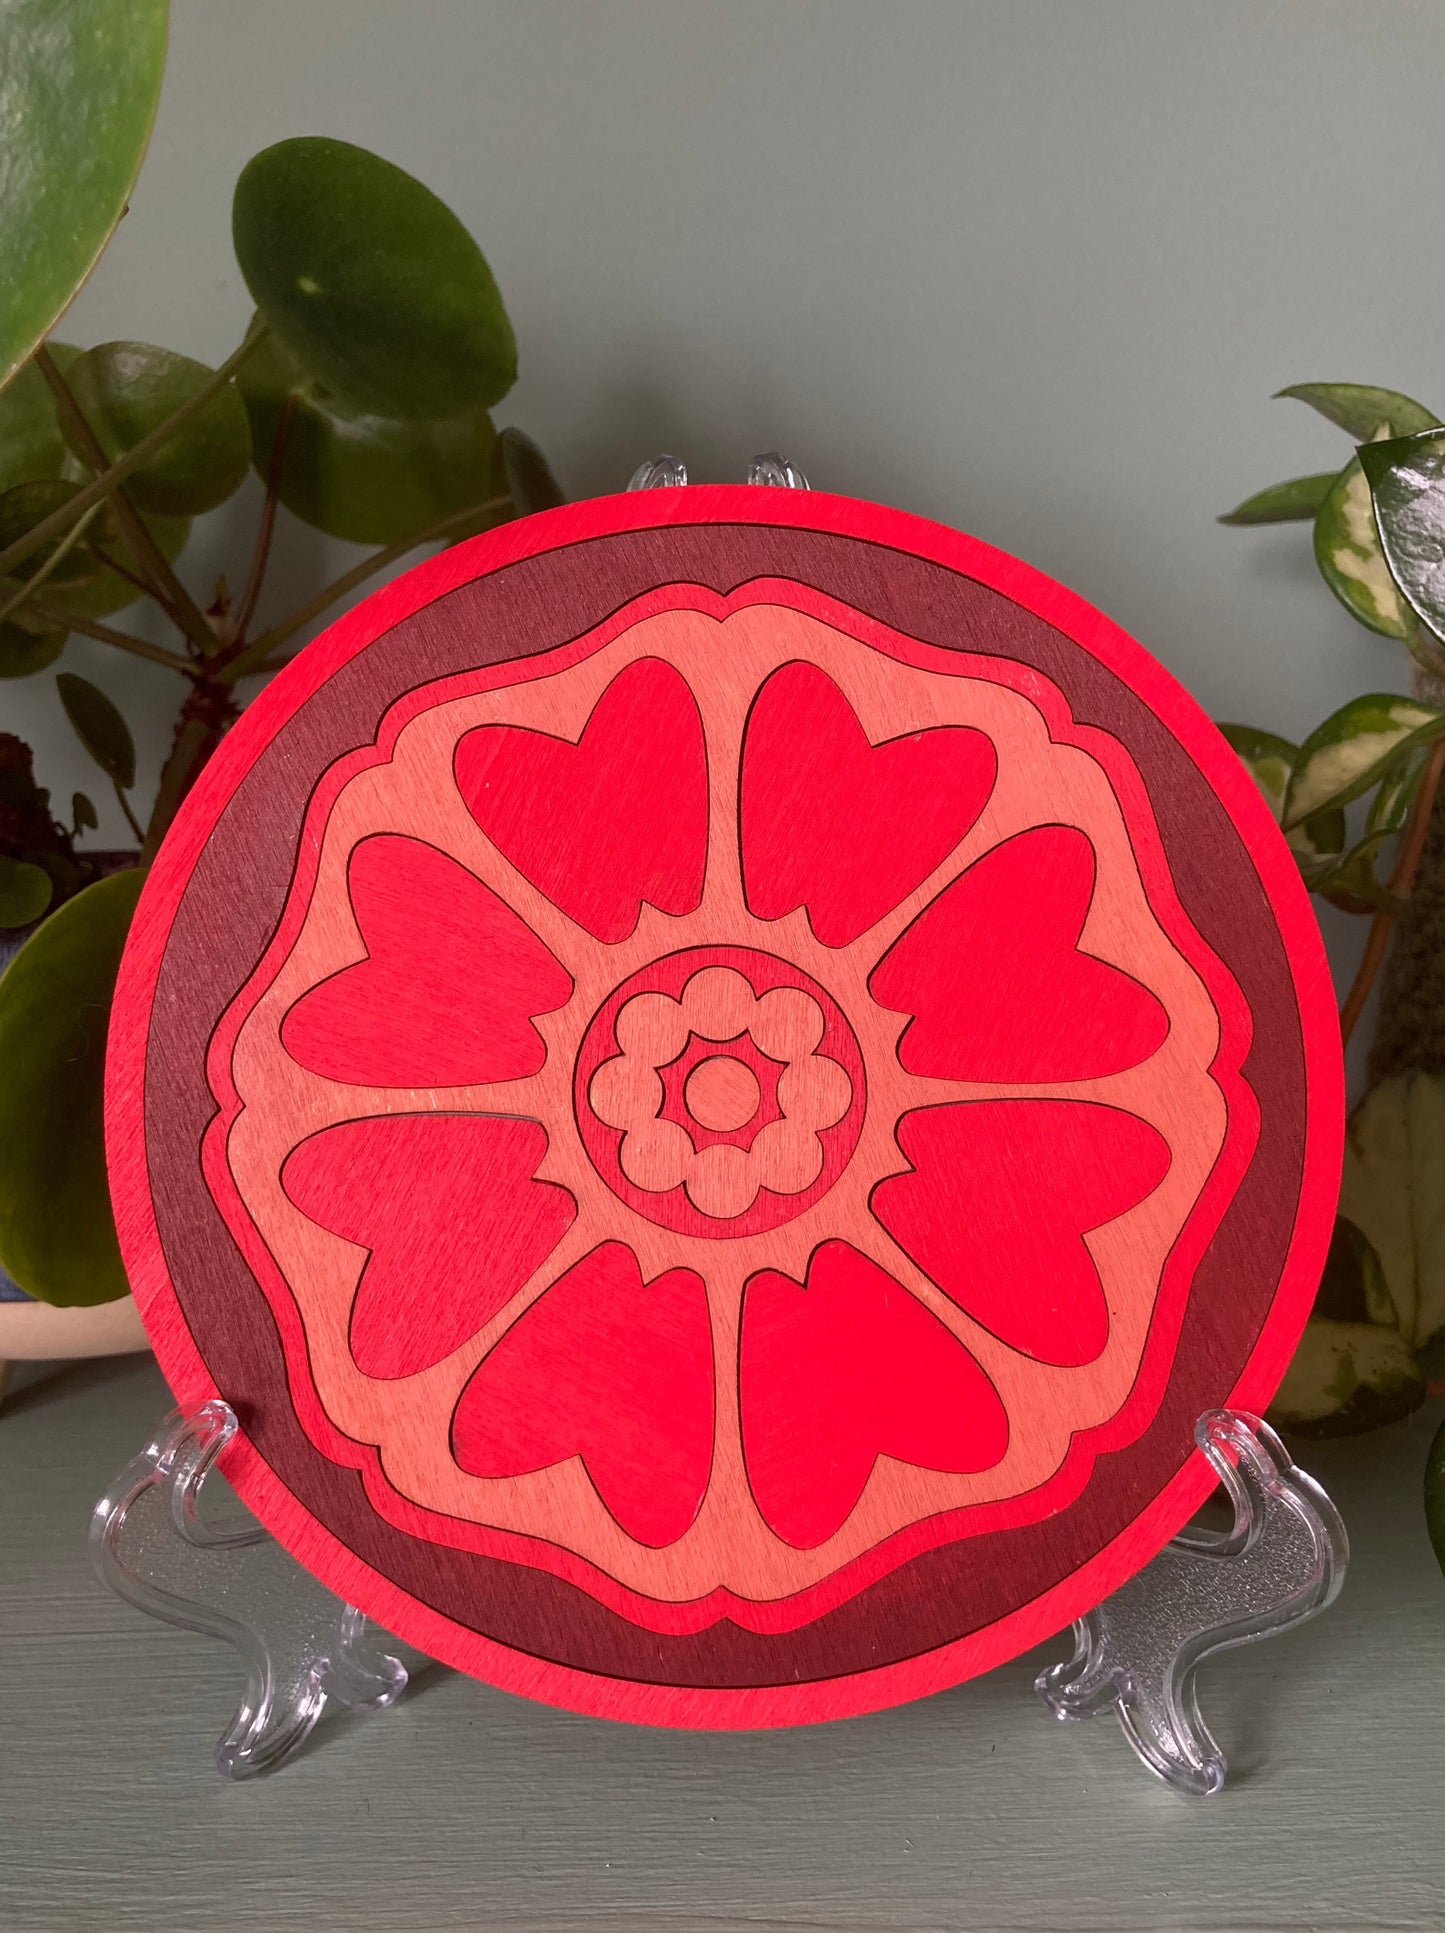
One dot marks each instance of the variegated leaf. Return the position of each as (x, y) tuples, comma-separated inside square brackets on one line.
[(1394, 1191), (1283, 503), (1363, 411), (1354, 748), (1351, 561), (1406, 476)]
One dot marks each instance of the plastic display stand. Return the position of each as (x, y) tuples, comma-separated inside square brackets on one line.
[(1138, 1649), (1138, 1654)]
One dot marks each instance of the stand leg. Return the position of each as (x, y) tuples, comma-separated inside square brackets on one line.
[(299, 1645), (1138, 1654)]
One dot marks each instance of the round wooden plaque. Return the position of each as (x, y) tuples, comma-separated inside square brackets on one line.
[(718, 1076)]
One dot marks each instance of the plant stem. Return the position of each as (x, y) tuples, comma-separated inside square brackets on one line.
[(90, 627), (57, 556), (131, 820), (189, 742), (275, 470), (255, 657), (1402, 879), (140, 453), (145, 588), (162, 581)]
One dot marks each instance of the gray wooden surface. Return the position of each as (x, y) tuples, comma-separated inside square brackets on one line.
[(466, 1808)]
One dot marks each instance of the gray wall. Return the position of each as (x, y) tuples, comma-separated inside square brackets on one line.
[(1032, 267)]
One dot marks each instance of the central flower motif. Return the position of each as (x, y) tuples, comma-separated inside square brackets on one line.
[(721, 1126), (728, 1106), (719, 1091)]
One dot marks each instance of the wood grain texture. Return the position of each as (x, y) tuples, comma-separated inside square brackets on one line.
[(971, 1813), (981, 743)]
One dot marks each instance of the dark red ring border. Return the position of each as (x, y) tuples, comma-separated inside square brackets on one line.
[(936, 1620)]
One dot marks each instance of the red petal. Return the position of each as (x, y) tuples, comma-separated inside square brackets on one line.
[(447, 992), (617, 818), (611, 1370), (839, 826), (838, 1373), (1002, 1197), (991, 972), (454, 1221)]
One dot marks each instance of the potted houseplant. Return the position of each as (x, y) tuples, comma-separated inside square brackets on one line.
[(360, 390), (1362, 804)]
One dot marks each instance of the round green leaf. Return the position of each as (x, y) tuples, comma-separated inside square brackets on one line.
[(32, 450), (83, 583), (370, 479), (27, 504), (99, 727), (25, 892), (1347, 550), (23, 650), (57, 1235), (80, 84), (1283, 503), (127, 389), (371, 282)]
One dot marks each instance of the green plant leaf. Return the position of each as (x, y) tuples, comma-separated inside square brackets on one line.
[(370, 282), (32, 450), (525, 474), (83, 815), (1350, 559), (1269, 757), (370, 479), (1283, 503), (1364, 411), (1406, 477), (1390, 807), (1353, 750), (1346, 1378), (25, 505), (99, 727), (57, 1235), (25, 892), (83, 584), (24, 650), (128, 389), (1348, 879), (1393, 1190), (1435, 1495), (80, 85)]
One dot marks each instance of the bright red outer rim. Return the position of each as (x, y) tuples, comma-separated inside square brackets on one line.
[(186, 1371)]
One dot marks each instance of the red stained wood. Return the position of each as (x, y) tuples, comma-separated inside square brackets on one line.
[(449, 988), (1004, 934), (596, 824), (947, 1592), (999, 1200), (883, 1378), (450, 1217), (905, 804), (612, 1370)]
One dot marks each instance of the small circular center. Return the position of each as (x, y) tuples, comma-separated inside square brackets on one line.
[(722, 1094)]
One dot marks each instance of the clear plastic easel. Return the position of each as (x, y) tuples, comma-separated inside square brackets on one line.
[(1137, 1654)]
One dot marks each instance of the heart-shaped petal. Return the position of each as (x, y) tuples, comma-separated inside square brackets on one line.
[(992, 974), (842, 827), (617, 818), (449, 987), (837, 1374), (611, 1369), (449, 1209), (1000, 1200)]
